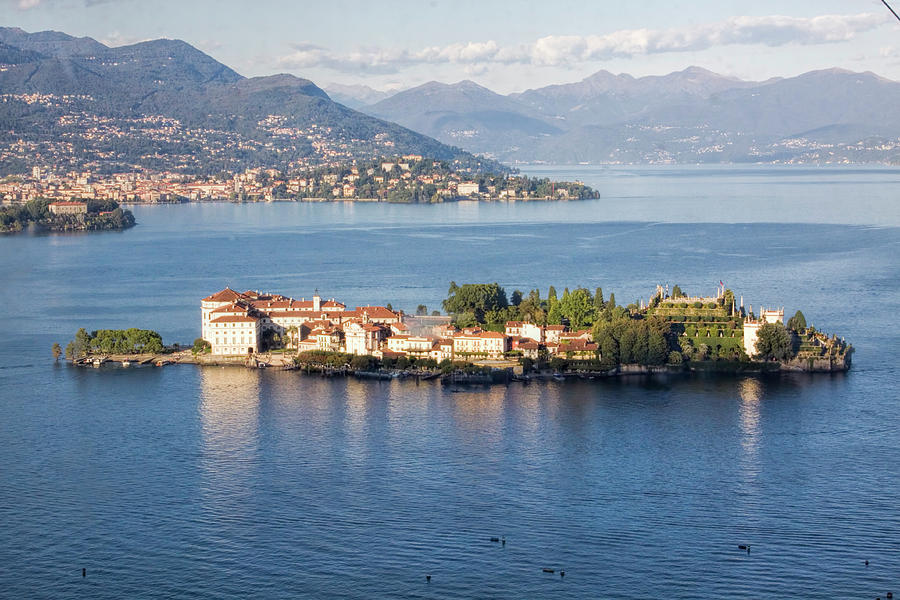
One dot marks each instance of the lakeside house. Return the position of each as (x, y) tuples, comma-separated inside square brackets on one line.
[(68, 208)]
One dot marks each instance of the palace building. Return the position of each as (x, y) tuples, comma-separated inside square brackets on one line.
[(245, 323)]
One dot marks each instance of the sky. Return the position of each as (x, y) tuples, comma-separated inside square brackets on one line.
[(506, 46)]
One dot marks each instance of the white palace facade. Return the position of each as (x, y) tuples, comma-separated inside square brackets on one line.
[(245, 323)]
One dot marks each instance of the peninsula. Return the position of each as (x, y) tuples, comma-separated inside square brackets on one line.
[(75, 214), (484, 331)]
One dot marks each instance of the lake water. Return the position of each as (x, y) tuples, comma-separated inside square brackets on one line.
[(225, 483)]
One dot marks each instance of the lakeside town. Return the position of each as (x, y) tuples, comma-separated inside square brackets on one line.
[(409, 178), (578, 333)]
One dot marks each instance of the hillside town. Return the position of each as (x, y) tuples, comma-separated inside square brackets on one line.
[(406, 178), (88, 139)]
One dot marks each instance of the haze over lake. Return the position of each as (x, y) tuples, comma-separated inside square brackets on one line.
[(183, 481)]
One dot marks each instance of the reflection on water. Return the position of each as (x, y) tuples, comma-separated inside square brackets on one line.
[(751, 391), (356, 417), (229, 416)]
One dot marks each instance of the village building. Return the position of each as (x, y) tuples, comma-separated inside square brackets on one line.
[(364, 338), (751, 327), (552, 333), (68, 208), (467, 189), (473, 341)]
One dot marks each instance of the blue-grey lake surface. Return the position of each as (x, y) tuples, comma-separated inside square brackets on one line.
[(187, 482)]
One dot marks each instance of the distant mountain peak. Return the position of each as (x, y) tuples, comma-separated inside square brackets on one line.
[(282, 82), (51, 43)]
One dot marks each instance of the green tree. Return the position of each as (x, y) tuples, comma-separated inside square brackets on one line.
[(797, 322), (531, 308), (554, 314), (656, 348), (676, 292), (609, 349), (475, 298), (362, 362), (57, 351), (577, 308), (516, 298), (599, 304), (627, 341), (773, 342), (421, 310), (81, 345)]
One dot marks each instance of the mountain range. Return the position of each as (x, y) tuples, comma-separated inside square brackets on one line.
[(692, 115), (78, 104), (163, 104)]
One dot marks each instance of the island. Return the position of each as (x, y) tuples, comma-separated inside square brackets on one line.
[(75, 214), (486, 335)]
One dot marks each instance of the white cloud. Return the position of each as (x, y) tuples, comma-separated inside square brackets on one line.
[(27, 4), (560, 50), (116, 39)]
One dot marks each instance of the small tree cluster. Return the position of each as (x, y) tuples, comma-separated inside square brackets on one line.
[(773, 342)]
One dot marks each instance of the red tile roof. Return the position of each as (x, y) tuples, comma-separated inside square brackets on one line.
[(234, 319), (491, 334), (226, 295), (230, 308), (377, 312)]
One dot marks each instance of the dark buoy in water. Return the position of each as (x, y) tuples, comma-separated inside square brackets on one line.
[(428, 579), (549, 570), (744, 547), (503, 541), (493, 539), (867, 563), (889, 595), (562, 573), (84, 572)]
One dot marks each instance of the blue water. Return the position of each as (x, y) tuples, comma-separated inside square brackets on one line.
[(225, 483)]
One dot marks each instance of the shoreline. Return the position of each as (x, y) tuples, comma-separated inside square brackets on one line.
[(356, 200), (499, 376)]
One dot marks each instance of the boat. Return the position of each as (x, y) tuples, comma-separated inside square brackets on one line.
[(126, 363)]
